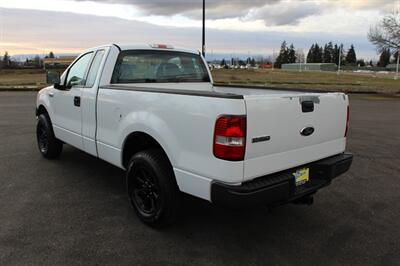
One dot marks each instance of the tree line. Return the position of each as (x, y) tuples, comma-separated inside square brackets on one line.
[(329, 53), (6, 61)]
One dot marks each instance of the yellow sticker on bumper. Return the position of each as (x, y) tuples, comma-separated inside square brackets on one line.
[(302, 176)]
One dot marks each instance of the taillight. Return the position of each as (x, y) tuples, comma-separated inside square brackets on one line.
[(347, 121), (230, 138)]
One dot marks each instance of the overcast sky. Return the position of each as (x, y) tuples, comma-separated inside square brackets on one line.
[(233, 26)]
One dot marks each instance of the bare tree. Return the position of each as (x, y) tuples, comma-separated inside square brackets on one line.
[(300, 57), (386, 35)]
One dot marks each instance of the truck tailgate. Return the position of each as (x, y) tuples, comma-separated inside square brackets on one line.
[(275, 124)]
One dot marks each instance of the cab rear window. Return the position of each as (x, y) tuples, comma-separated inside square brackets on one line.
[(154, 66)]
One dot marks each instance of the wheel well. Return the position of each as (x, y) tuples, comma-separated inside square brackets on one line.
[(41, 110), (136, 142)]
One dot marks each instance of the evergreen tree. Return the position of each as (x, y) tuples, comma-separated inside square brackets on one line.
[(351, 57), (384, 59), (325, 54), (51, 55), (223, 62), (338, 52), (335, 54), (283, 56), (321, 55), (328, 53), (6, 60), (317, 54), (291, 55)]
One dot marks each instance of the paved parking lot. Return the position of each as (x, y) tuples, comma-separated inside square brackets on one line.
[(74, 210)]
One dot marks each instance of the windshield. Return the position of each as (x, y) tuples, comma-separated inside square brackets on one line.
[(154, 66)]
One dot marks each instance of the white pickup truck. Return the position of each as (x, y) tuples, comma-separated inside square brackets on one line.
[(153, 110)]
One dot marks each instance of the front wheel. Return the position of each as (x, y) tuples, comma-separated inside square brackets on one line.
[(49, 146), (152, 188)]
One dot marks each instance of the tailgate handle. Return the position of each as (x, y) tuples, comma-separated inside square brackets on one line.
[(307, 106)]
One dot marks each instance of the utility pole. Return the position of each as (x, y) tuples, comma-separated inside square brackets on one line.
[(340, 59), (273, 60), (397, 67), (203, 47), (301, 55)]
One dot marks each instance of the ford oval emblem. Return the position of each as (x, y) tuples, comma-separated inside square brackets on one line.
[(307, 131)]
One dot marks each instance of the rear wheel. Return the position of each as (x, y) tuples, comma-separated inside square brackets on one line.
[(152, 188), (49, 146)]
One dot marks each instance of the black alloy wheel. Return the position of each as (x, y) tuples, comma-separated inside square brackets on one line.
[(152, 188)]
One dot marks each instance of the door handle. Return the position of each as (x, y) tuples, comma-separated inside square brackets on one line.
[(77, 101), (51, 94)]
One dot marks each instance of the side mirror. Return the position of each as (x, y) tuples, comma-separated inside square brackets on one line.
[(61, 87), (58, 86)]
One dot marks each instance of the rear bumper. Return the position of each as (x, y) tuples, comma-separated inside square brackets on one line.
[(279, 188)]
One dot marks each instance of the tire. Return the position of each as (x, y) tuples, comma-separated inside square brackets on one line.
[(152, 188), (48, 145)]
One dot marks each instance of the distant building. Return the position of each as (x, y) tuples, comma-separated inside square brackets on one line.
[(58, 63), (265, 66), (311, 67)]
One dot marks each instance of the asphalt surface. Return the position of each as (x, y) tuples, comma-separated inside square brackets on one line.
[(75, 211)]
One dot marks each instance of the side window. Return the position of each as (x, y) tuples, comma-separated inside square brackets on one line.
[(76, 74), (94, 68)]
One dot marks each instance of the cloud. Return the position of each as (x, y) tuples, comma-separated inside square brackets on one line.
[(232, 8), (273, 12), (25, 31), (280, 14), (384, 5)]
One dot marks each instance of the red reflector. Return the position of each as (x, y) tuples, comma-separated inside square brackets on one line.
[(347, 121), (230, 138)]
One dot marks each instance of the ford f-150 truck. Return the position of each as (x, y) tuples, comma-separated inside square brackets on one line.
[(153, 111)]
